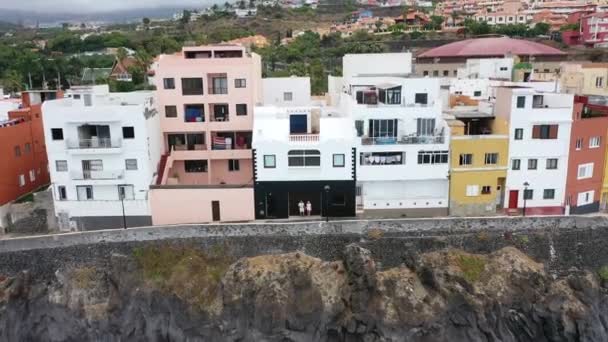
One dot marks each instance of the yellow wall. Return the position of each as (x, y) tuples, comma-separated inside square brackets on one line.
[(590, 75), (478, 173)]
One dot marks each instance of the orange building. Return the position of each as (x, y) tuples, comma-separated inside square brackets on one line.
[(24, 162)]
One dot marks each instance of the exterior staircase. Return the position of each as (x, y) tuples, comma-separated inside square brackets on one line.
[(161, 168)]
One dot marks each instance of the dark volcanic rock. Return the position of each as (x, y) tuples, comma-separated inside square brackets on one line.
[(448, 295)]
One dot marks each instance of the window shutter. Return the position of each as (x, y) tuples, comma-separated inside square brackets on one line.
[(536, 132), (553, 131)]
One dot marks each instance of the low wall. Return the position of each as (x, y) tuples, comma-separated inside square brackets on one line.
[(559, 242)]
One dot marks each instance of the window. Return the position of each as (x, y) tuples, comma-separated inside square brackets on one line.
[(579, 143), (465, 159), (472, 190), (128, 132), (17, 151), (62, 194), (195, 166), (528, 194), (515, 164), (594, 142), (425, 127), (425, 73), (233, 165), (432, 157), (84, 192), (383, 128), (241, 109), (76, 96), (446, 73), (421, 98), (57, 133), (585, 198), (32, 176), (544, 131), (304, 158), (477, 93), (532, 164), (270, 161), (486, 190), (287, 96), (192, 86), (552, 164), (599, 82), (88, 100), (503, 68), (585, 171), (170, 111), (61, 165), (126, 192), (131, 164), (382, 158), (21, 180), (169, 83), (28, 148), (194, 113), (338, 160), (519, 133), (491, 158), (240, 83), (435, 73), (521, 102), (549, 194), (359, 127)]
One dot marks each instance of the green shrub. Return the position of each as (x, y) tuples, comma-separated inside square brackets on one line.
[(603, 273), (471, 266)]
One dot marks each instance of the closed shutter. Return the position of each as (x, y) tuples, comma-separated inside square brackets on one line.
[(553, 132), (536, 132)]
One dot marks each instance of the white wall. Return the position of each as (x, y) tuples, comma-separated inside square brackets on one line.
[(376, 64), (68, 114), (5, 107), (501, 68), (274, 89), (405, 194), (541, 149), (468, 87)]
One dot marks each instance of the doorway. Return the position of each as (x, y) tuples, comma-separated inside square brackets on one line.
[(296, 197), (513, 199), (215, 210), (270, 205)]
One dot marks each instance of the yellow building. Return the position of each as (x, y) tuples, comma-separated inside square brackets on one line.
[(604, 198), (479, 159), (584, 78)]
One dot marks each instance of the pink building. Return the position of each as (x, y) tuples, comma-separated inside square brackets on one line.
[(594, 29), (206, 96)]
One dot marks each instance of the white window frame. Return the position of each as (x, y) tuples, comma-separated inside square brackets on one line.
[(126, 190), (21, 180), (585, 171), (465, 159), (32, 175), (585, 197), (131, 164), (339, 160), (595, 142), (599, 82), (59, 165), (491, 158), (472, 190), (579, 144)]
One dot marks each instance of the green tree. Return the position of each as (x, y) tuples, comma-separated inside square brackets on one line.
[(435, 23), (541, 29), (186, 15), (416, 35), (12, 81), (146, 22), (476, 28)]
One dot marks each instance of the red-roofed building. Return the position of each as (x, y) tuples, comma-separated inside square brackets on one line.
[(120, 70)]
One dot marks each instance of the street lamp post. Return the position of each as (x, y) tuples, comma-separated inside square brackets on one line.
[(526, 185), (326, 188), (121, 194)]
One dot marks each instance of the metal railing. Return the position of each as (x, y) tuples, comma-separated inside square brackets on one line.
[(304, 137), (94, 143), (98, 175), (218, 90), (404, 140)]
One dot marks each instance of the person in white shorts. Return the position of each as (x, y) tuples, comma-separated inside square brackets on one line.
[(308, 208), (301, 207)]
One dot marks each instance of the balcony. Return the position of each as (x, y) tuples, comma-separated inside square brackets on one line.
[(93, 143), (218, 90), (404, 140), (304, 138), (97, 175)]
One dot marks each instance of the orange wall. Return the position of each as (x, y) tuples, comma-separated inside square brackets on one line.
[(31, 132)]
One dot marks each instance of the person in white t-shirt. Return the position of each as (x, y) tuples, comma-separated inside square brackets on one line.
[(301, 207), (308, 208)]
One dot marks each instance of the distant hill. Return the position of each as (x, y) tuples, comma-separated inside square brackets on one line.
[(6, 26)]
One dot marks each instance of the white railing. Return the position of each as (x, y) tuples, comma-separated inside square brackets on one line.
[(98, 175), (404, 140), (94, 143), (304, 138)]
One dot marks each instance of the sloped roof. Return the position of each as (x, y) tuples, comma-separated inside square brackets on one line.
[(492, 46)]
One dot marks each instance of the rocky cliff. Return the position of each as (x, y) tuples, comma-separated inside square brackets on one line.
[(181, 293)]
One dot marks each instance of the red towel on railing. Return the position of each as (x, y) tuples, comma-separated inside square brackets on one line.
[(219, 143)]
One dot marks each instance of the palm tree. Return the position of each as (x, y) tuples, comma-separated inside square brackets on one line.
[(143, 61), (215, 8), (227, 6)]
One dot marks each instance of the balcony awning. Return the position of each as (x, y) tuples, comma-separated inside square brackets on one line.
[(387, 85)]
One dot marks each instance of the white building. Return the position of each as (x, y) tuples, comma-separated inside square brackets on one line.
[(402, 145), (492, 68), (102, 147), (302, 152), (539, 131)]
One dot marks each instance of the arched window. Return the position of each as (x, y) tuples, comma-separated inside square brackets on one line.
[(304, 158)]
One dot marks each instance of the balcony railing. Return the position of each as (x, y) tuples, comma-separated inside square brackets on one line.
[(304, 138), (220, 118), (94, 143), (404, 140), (218, 90), (97, 175)]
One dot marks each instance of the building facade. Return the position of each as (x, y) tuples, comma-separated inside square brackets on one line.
[(539, 137), (402, 149), (23, 148), (103, 151), (206, 96)]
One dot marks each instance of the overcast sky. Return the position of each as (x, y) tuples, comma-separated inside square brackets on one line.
[(76, 6)]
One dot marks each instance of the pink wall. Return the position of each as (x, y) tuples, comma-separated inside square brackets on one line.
[(220, 172), (178, 206), (189, 178)]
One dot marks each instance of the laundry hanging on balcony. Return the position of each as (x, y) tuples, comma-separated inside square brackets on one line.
[(222, 143)]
